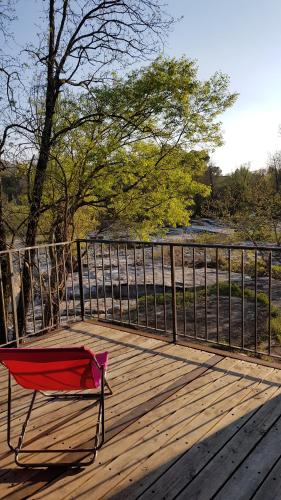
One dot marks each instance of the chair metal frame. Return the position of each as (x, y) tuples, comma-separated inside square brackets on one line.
[(98, 437)]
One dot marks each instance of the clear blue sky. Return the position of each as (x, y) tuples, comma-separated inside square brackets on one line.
[(241, 38)]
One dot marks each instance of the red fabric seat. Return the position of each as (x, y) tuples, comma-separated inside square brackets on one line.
[(55, 368)]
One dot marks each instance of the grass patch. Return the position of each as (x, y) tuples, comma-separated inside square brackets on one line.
[(236, 291), (276, 272), (276, 326)]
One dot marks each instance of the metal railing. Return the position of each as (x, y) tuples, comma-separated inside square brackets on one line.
[(39, 290), (226, 295)]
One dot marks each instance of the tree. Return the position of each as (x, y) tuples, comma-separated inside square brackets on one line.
[(249, 202), (6, 76), (274, 170), (138, 165), (81, 45), (141, 155)]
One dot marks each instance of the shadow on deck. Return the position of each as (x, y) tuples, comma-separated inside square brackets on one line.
[(182, 423)]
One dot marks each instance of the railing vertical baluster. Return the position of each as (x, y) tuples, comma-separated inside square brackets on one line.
[(164, 289), (58, 285), (218, 294), (80, 277), (13, 297), (30, 263), (103, 281), (243, 300), (96, 280), (49, 287), (269, 299), (136, 285), (72, 283), (183, 290), (174, 293), (154, 287), (119, 279), (194, 294), (229, 297), (111, 281), (21, 284), (145, 287), (256, 300), (65, 284), (206, 295), (89, 279), (127, 279), (41, 289)]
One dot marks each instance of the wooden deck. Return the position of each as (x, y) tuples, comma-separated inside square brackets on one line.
[(182, 423)]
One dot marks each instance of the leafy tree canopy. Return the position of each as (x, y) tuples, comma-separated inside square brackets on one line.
[(138, 161)]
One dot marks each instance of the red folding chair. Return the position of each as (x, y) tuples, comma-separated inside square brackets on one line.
[(60, 369)]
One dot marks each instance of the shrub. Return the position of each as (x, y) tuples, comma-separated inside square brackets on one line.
[(224, 289), (262, 298), (276, 326), (222, 262), (250, 267), (276, 272)]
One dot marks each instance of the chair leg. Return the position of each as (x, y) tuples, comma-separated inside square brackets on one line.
[(108, 386), (99, 437), (9, 413), (101, 409)]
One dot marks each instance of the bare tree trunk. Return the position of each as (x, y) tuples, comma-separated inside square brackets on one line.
[(40, 174), (60, 266), (4, 278)]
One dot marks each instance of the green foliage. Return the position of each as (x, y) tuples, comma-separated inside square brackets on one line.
[(276, 271), (250, 267), (236, 291), (250, 202), (138, 164), (224, 289), (275, 325), (187, 297)]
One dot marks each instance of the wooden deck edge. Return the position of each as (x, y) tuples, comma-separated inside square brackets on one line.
[(193, 344)]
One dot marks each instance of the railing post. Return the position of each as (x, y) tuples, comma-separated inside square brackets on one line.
[(80, 275), (174, 294), (13, 298)]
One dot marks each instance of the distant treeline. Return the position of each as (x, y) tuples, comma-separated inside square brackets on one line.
[(249, 200)]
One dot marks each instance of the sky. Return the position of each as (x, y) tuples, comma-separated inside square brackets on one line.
[(241, 38)]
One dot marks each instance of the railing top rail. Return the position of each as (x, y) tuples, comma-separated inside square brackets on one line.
[(147, 243), (35, 247), (192, 245)]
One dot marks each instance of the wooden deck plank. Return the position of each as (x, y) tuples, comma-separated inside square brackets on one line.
[(190, 367), (189, 433), (235, 451), (253, 470), (162, 434), (175, 410), (118, 429), (168, 426), (136, 438), (271, 484)]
